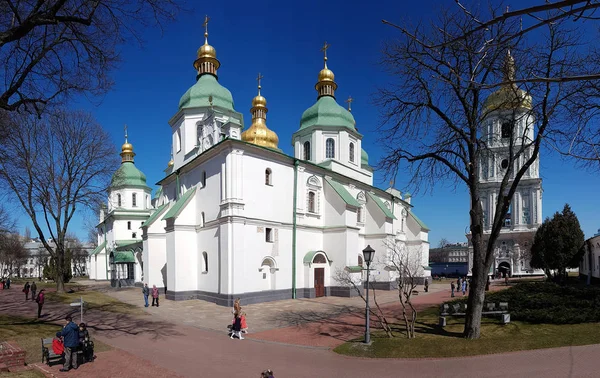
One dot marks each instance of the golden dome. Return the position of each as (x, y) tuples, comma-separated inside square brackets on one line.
[(508, 96), (326, 85), (326, 74), (258, 133), (127, 148), (127, 153), (171, 163), (206, 58), (207, 51)]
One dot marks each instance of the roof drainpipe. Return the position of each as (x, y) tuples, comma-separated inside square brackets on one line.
[(294, 229)]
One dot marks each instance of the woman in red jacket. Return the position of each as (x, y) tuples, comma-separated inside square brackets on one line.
[(154, 295)]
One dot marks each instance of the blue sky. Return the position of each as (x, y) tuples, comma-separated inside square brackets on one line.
[(281, 40)]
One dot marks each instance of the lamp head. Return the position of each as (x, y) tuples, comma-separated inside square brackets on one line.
[(368, 254)]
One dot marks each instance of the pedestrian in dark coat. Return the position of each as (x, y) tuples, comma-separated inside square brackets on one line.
[(146, 292), (33, 290), (26, 290), (41, 297), (452, 287), (154, 295), (8, 283), (70, 335)]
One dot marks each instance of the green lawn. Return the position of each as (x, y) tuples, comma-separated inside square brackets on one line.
[(432, 341), (96, 301), (28, 332)]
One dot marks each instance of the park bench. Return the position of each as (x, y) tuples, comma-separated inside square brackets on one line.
[(48, 354), (460, 309)]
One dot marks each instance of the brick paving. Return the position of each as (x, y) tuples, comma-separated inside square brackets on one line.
[(166, 347)]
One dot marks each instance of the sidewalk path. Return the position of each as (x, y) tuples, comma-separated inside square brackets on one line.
[(192, 352)]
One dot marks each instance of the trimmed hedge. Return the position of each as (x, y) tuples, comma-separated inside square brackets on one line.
[(547, 302)]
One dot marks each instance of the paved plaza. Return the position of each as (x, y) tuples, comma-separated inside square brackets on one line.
[(188, 339)]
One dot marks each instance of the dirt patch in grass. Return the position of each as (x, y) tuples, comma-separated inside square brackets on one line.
[(23, 374), (28, 333), (96, 300), (433, 341)]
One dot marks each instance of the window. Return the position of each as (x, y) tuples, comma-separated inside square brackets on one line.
[(351, 152), (359, 215), (311, 202), (118, 200), (508, 218), (202, 219), (269, 235), (134, 200), (204, 262), (504, 164), (130, 271), (360, 260), (526, 217), (129, 225), (268, 177), (307, 150), (506, 129), (203, 179), (319, 259), (329, 148), (178, 140)]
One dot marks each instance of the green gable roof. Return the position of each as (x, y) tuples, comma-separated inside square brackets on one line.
[(308, 258), (154, 215), (180, 204), (342, 192), (327, 112), (123, 244), (207, 88), (383, 208), (98, 249), (123, 257), (419, 222), (128, 175), (354, 269)]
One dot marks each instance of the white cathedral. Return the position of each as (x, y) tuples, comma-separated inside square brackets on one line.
[(508, 112), (236, 217)]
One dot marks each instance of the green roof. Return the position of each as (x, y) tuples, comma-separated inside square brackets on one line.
[(342, 192), (308, 258), (426, 267), (98, 249), (155, 215), (364, 157), (128, 175), (123, 257), (354, 269), (123, 244), (158, 192), (206, 88), (327, 112), (180, 204), (419, 222), (383, 208)]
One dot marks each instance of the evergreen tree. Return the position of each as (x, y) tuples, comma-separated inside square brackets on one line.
[(557, 244), (50, 268)]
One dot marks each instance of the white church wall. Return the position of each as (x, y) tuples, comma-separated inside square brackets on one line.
[(181, 266), (374, 218), (155, 268), (334, 208), (208, 265), (307, 239)]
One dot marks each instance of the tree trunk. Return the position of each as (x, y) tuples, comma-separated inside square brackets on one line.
[(59, 271), (479, 273)]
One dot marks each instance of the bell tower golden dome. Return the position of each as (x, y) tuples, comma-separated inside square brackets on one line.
[(326, 85), (127, 153), (206, 62), (258, 133)]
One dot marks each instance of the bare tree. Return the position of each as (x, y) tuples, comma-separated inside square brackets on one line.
[(435, 114), (348, 279), (52, 49), (407, 263), (12, 254), (443, 243), (54, 166), (77, 253), (7, 223)]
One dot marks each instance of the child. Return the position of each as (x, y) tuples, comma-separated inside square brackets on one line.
[(244, 325), (86, 345), (237, 326), (267, 374)]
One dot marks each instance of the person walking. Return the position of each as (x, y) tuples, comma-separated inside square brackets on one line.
[(8, 283), (154, 295), (452, 287), (267, 374), (487, 284), (146, 292), (40, 302), (426, 286), (464, 287), (33, 290), (70, 335), (26, 290)]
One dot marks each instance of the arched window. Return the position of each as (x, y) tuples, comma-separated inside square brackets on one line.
[(134, 200), (319, 259), (268, 177), (129, 225), (202, 219), (351, 152), (307, 150), (204, 262), (360, 260), (178, 140), (119, 200), (330, 148), (359, 215), (204, 179), (311, 202)]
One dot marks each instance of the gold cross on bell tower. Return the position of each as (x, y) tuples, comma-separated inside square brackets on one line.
[(258, 78), (205, 24), (349, 102), (324, 49), (125, 128)]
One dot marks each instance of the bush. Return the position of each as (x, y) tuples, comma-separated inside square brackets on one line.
[(547, 302)]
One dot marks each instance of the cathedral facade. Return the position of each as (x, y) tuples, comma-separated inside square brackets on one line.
[(235, 217), (508, 115)]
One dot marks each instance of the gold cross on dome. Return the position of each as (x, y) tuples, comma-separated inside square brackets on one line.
[(205, 24), (125, 128), (349, 102), (258, 78), (324, 49)]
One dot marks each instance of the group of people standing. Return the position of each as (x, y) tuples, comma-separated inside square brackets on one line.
[(146, 292), (238, 325), (75, 338), (5, 283), (462, 284), (39, 298)]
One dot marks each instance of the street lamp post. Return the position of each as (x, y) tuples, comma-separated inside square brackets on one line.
[(368, 256)]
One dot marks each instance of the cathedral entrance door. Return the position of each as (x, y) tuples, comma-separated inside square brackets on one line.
[(319, 282)]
